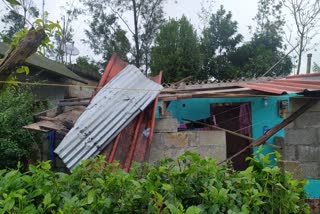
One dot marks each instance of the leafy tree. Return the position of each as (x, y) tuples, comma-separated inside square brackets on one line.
[(269, 18), (105, 35), (265, 49), (84, 63), (254, 58), (14, 21), (257, 56), (176, 51), (16, 110), (147, 17), (219, 40)]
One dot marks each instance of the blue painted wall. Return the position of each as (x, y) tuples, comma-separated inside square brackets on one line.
[(199, 108)]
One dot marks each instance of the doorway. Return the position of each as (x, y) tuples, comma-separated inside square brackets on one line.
[(235, 117)]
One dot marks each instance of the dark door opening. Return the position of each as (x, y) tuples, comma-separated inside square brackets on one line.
[(234, 117)]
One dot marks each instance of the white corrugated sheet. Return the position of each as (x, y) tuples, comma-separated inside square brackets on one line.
[(116, 105)]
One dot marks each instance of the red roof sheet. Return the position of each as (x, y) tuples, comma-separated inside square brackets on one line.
[(291, 84), (317, 74)]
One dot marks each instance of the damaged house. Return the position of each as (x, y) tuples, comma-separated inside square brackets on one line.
[(223, 119)]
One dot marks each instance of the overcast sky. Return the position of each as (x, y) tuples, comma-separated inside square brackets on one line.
[(243, 12)]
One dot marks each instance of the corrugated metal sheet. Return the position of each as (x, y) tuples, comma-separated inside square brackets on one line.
[(115, 106), (285, 86), (211, 84), (315, 75)]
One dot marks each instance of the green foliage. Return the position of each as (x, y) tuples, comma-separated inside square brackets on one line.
[(187, 185), (106, 40), (13, 2), (106, 33), (16, 110), (266, 47), (254, 58), (13, 22), (316, 67), (84, 63), (176, 51), (219, 40)]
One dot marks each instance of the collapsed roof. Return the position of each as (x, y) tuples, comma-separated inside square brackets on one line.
[(110, 111)]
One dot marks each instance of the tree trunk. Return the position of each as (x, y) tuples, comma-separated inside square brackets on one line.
[(136, 33), (17, 56), (300, 54), (146, 64), (24, 16)]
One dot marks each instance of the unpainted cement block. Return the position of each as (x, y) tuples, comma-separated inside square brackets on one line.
[(311, 170), (217, 152), (279, 141), (157, 140), (165, 125), (294, 167), (155, 154), (175, 140), (290, 125), (193, 138), (309, 153), (289, 153), (212, 138), (171, 145), (308, 120), (307, 136), (296, 103)]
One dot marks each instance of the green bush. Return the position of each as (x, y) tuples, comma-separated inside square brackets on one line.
[(187, 185), (16, 110)]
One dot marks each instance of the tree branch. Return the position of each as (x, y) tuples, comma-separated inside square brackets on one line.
[(122, 19)]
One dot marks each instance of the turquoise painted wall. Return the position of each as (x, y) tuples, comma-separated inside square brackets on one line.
[(199, 108)]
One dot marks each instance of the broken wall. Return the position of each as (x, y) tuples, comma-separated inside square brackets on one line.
[(169, 143)]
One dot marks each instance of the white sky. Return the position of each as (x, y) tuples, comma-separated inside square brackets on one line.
[(243, 12)]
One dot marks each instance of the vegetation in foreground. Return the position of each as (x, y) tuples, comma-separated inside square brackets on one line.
[(186, 185), (17, 107)]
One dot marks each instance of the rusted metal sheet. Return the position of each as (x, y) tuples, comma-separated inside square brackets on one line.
[(114, 66), (110, 111), (305, 76), (285, 86)]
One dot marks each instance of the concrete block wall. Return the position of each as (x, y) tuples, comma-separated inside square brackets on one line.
[(171, 145), (302, 139)]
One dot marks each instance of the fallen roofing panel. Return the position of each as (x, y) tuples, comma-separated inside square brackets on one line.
[(114, 107)]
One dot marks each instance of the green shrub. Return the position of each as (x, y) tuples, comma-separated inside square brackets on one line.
[(187, 185), (16, 110)]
